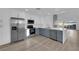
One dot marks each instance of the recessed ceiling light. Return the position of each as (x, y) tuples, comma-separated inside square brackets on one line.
[(62, 12), (48, 13), (57, 9), (38, 8)]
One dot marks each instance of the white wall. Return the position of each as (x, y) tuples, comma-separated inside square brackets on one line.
[(47, 21), (43, 21), (5, 29), (5, 14)]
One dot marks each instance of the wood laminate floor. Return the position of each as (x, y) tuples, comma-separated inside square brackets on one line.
[(40, 43)]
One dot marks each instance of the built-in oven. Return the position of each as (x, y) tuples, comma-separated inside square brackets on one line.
[(31, 29)]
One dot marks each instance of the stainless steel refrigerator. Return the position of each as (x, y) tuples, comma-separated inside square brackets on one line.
[(17, 29)]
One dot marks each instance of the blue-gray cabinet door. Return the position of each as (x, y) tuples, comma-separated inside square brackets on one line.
[(41, 31), (60, 36), (44, 32), (53, 34), (37, 31)]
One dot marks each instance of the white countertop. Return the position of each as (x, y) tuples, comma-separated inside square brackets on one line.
[(62, 29), (54, 28)]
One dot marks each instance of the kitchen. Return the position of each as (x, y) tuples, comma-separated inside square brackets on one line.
[(50, 23)]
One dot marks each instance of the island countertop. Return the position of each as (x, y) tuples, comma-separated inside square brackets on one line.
[(61, 29), (54, 28)]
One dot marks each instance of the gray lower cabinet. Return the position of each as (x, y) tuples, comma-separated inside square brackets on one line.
[(53, 34), (41, 31), (44, 32), (37, 31), (59, 36)]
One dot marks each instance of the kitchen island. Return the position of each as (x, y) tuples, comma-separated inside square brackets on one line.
[(58, 34)]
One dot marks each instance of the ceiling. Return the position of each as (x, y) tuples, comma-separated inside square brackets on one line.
[(43, 11), (47, 11), (71, 14)]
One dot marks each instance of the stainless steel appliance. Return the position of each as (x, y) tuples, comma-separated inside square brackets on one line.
[(17, 29), (32, 29), (30, 21)]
